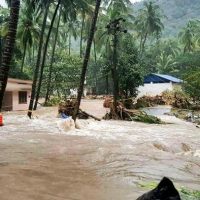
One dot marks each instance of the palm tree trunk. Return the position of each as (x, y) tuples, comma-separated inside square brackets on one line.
[(141, 39), (9, 47), (86, 57), (1, 48), (144, 42), (95, 52), (107, 85), (114, 73), (95, 60), (44, 55), (24, 55), (81, 39), (33, 52), (52, 61), (37, 67), (69, 36)]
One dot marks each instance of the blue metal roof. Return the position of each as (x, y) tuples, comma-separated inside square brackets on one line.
[(161, 78)]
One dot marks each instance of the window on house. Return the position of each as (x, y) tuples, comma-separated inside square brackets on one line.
[(22, 97)]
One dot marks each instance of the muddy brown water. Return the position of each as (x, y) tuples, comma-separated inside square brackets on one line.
[(101, 161)]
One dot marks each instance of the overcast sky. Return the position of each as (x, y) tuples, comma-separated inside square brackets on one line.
[(2, 2)]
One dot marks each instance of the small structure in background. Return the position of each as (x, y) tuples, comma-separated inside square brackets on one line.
[(156, 84), (17, 95)]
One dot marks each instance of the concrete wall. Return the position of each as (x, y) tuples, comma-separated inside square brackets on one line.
[(16, 105), (154, 89)]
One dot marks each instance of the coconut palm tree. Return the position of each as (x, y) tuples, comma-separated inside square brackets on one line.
[(119, 13), (52, 59), (165, 63), (70, 8), (45, 53), (187, 38), (148, 23), (28, 29), (46, 5), (9, 46), (86, 57)]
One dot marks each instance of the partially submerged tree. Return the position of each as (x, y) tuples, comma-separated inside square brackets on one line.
[(86, 57), (37, 67)]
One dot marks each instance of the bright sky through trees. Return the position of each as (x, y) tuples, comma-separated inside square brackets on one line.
[(2, 3), (133, 1)]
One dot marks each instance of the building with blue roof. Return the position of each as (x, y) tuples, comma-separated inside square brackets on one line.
[(161, 78), (156, 84)]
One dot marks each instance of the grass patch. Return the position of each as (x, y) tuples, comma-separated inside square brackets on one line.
[(147, 119), (185, 193)]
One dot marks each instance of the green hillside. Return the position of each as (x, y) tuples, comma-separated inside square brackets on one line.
[(177, 12)]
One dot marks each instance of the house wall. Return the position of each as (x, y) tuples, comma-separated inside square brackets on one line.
[(153, 89), (16, 105)]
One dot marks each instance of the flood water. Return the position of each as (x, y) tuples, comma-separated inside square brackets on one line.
[(101, 161), (158, 110)]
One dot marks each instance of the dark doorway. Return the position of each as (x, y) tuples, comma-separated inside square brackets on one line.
[(7, 101)]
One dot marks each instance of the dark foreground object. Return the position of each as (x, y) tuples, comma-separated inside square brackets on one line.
[(164, 191)]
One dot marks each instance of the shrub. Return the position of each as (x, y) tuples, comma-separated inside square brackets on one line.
[(54, 101), (177, 98)]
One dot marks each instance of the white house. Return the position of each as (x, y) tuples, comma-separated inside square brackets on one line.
[(155, 84)]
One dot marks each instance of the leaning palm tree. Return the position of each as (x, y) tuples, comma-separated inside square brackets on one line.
[(86, 57), (44, 55), (37, 67), (9, 46)]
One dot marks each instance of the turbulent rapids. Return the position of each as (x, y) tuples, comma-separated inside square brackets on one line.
[(101, 160)]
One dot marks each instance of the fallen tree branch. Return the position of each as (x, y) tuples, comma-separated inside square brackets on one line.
[(89, 115)]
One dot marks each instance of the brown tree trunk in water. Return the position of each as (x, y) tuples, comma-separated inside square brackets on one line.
[(9, 47), (37, 67), (44, 56), (87, 56)]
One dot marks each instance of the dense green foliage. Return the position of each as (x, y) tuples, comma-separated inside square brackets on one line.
[(177, 12), (65, 74), (144, 49)]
